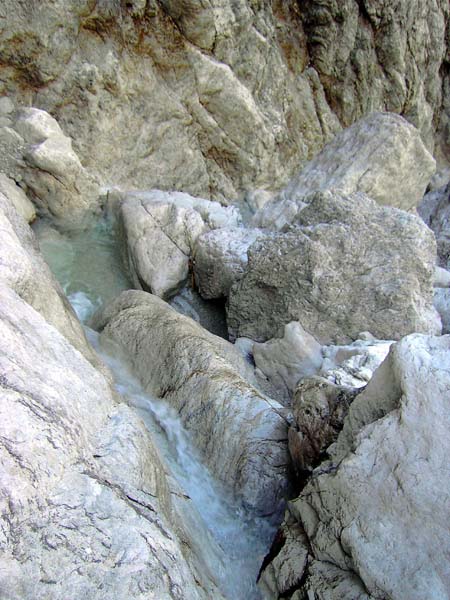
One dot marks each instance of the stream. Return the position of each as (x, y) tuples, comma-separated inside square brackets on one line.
[(88, 265)]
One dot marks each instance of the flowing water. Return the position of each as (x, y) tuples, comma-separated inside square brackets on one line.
[(88, 266)]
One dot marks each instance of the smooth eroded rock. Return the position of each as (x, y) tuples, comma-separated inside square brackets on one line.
[(160, 231), (241, 433)]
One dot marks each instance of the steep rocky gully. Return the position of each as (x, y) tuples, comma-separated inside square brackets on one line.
[(224, 300)]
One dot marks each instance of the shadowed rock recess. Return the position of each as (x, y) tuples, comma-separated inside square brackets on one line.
[(273, 172)]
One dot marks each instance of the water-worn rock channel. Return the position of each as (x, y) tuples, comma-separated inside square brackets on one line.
[(230, 539)]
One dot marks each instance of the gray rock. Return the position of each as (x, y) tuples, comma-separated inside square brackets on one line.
[(53, 173), (374, 514), (286, 360), (218, 98), (240, 432), (86, 507), (381, 155), (435, 211), (349, 266), (18, 197), (220, 258)]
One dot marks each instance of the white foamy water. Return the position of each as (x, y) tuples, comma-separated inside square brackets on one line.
[(233, 542)]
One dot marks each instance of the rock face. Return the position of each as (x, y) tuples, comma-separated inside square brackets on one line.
[(376, 513), (350, 265), (160, 230), (241, 432), (381, 155), (220, 258), (218, 97)]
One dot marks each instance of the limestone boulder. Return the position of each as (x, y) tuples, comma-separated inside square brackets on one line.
[(240, 432), (220, 258), (160, 230), (374, 514), (51, 171), (381, 155), (82, 487), (349, 265), (286, 360)]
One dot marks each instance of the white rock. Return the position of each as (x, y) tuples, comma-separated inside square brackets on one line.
[(220, 258), (441, 278), (383, 509), (353, 365), (382, 155), (81, 486), (240, 432), (286, 360), (159, 238)]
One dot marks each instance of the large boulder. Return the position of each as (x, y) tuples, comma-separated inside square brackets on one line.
[(375, 514), (220, 258), (350, 265), (381, 155), (87, 509), (286, 360), (51, 171), (160, 231), (240, 432)]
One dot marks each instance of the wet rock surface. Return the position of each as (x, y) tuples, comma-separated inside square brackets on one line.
[(241, 433)]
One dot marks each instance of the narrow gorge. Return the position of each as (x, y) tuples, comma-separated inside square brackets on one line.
[(224, 299)]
